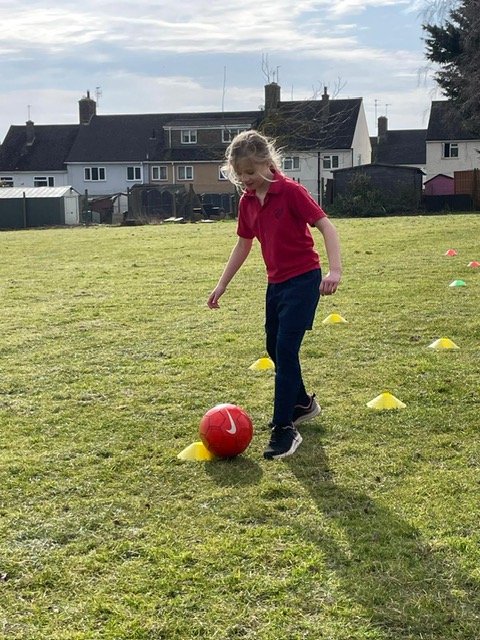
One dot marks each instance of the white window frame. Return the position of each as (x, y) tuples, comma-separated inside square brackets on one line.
[(229, 133), (8, 180), (291, 163), (136, 172), (185, 172), (159, 169), (447, 148), (330, 162), (221, 174), (48, 181), (188, 136), (89, 171)]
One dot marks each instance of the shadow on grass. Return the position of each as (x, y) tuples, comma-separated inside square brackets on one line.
[(407, 588), (235, 472)]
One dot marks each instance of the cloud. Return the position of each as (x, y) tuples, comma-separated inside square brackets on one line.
[(158, 55), (189, 27)]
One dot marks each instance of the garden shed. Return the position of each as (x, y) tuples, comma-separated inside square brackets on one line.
[(23, 208), (439, 185), (385, 177)]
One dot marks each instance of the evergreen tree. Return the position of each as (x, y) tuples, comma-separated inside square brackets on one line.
[(455, 47)]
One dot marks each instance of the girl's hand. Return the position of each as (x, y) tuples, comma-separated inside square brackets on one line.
[(330, 283), (212, 301)]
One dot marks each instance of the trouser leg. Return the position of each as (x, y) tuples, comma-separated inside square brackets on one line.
[(289, 387), (290, 308)]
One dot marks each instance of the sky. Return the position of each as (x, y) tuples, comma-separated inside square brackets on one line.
[(162, 56)]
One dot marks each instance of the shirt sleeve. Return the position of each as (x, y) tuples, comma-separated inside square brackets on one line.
[(243, 228), (303, 205)]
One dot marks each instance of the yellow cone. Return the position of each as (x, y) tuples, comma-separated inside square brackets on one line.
[(386, 401), (196, 451), (262, 363), (443, 343), (334, 318)]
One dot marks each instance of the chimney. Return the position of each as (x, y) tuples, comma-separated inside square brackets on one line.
[(87, 108), (30, 132), (382, 129), (325, 104), (272, 97)]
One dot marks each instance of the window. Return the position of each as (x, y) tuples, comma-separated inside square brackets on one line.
[(159, 173), (44, 181), (6, 181), (185, 173), (221, 174), (290, 163), (94, 174), (189, 136), (450, 150), (134, 173), (330, 162), (229, 133)]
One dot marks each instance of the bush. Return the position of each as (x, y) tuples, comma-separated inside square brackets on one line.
[(362, 200)]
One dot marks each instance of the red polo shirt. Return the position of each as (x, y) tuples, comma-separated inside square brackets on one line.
[(281, 226)]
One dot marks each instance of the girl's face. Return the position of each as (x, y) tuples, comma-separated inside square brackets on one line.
[(254, 176)]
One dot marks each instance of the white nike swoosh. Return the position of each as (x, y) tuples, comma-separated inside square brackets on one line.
[(234, 426)]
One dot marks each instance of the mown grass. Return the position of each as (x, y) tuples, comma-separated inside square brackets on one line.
[(109, 358)]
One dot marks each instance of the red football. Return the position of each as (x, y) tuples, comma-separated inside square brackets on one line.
[(226, 430)]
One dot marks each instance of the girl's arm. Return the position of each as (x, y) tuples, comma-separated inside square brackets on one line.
[(237, 258), (332, 245)]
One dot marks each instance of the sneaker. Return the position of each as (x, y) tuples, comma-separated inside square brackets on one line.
[(283, 442), (300, 413)]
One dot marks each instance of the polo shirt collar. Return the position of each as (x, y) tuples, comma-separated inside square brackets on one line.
[(276, 186)]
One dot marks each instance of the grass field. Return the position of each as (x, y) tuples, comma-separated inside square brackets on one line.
[(109, 358)]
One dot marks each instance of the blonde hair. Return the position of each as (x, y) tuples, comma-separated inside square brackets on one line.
[(250, 146)]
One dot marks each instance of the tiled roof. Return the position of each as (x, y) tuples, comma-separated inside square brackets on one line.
[(136, 138), (444, 124), (305, 126), (401, 147), (47, 153)]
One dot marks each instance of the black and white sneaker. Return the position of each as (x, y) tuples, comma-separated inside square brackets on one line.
[(302, 413), (283, 442)]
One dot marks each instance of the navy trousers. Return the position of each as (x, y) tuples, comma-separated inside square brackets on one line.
[(289, 312)]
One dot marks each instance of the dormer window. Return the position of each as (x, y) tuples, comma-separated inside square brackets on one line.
[(189, 136), (229, 133)]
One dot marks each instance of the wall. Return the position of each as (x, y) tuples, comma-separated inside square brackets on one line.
[(468, 158), (362, 148), (25, 179)]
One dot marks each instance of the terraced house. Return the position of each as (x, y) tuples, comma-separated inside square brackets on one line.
[(159, 157)]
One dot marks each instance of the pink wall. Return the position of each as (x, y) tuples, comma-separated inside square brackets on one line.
[(439, 186)]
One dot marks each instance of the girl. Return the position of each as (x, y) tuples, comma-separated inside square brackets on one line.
[(277, 211)]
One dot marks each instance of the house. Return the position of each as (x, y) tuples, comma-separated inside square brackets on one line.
[(451, 146), (34, 155), (317, 136), (116, 152), (166, 155), (403, 147)]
